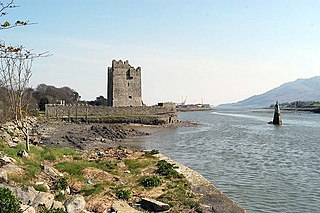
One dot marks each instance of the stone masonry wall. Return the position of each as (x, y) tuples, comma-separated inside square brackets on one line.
[(166, 113)]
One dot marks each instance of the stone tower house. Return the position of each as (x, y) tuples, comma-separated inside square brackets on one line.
[(124, 85)]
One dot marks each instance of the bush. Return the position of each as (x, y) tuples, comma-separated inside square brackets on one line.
[(59, 210), (151, 181), (123, 194), (8, 202), (40, 188), (61, 183), (154, 151), (166, 169), (60, 197)]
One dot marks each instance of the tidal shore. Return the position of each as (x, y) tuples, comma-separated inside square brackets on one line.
[(93, 140)]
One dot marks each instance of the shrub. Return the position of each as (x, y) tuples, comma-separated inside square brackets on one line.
[(151, 181), (59, 210), (8, 202), (61, 183), (110, 165), (154, 151), (123, 194), (40, 188), (166, 169), (60, 197)]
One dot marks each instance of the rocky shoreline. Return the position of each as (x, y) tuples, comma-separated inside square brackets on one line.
[(90, 139)]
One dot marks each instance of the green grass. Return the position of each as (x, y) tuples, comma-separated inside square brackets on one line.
[(177, 192), (167, 169), (135, 165), (40, 188), (123, 194), (75, 168), (151, 181), (32, 165), (60, 197), (179, 196), (93, 189)]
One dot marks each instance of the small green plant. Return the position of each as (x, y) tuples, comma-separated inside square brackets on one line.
[(60, 197), (166, 169), (110, 165), (61, 183), (40, 188), (123, 194), (8, 202), (154, 152), (58, 210), (151, 181)]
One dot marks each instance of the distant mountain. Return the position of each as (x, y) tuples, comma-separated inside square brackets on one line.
[(299, 90)]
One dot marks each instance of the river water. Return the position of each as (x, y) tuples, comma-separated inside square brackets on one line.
[(265, 168)]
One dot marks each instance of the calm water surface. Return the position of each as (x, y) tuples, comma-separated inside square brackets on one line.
[(264, 168)]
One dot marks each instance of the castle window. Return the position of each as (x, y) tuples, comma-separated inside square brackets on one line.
[(128, 84), (128, 75), (130, 96)]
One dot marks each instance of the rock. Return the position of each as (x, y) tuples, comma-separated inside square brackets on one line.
[(128, 151), (122, 207), (57, 204), (27, 209), (51, 171), (8, 169), (25, 195), (121, 164), (43, 198), (206, 208), (68, 190), (8, 159), (75, 204), (76, 187), (16, 140), (35, 139), (154, 205), (23, 153), (3, 176), (7, 138), (45, 185)]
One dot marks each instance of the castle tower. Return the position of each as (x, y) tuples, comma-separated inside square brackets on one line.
[(124, 85)]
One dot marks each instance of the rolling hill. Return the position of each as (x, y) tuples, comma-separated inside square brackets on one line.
[(298, 90)]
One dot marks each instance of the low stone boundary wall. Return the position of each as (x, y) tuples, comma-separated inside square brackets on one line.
[(161, 114)]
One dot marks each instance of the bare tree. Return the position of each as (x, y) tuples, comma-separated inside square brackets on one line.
[(4, 6), (15, 72)]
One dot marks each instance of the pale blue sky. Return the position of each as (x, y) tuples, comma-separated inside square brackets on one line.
[(221, 51)]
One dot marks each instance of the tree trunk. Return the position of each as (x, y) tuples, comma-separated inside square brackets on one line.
[(27, 140)]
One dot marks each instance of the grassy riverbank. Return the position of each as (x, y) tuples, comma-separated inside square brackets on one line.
[(103, 176)]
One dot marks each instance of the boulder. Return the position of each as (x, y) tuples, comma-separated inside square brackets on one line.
[(154, 205), (23, 153), (27, 209), (7, 160), (51, 171), (120, 206), (3, 176), (57, 205), (43, 199), (75, 204), (25, 195)]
